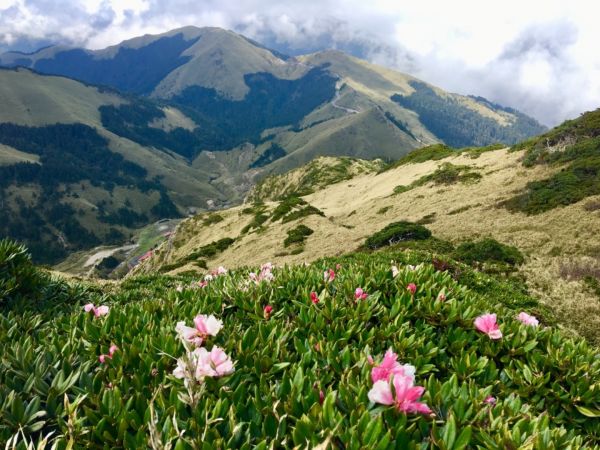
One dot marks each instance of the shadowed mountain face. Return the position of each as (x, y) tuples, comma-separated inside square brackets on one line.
[(201, 113)]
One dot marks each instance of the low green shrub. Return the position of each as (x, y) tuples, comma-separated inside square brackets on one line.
[(297, 235), (18, 276), (488, 251), (212, 219), (397, 232)]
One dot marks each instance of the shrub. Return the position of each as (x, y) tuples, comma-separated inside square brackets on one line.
[(18, 276), (397, 232), (488, 251), (544, 384), (212, 219), (297, 235)]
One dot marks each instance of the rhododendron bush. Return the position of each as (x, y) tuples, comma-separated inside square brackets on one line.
[(371, 356)]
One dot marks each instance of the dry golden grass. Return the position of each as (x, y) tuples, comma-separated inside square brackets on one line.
[(352, 210)]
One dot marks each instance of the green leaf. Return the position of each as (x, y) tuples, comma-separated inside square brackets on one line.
[(588, 412)]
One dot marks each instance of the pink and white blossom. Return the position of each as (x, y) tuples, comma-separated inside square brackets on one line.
[(486, 323), (98, 311), (404, 397), (489, 400), (395, 271), (329, 275), (527, 319), (201, 363), (390, 367), (359, 294), (412, 288), (204, 326)]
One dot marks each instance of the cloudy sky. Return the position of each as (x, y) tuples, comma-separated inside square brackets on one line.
[(541, 57)]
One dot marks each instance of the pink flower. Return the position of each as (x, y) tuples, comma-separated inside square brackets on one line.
[(314, 298), (404, 397), (204, 326), (390, 366), (179, 288), (203, 283), (338, 267), (359, 294), (489, 400), (441, 297), (221, 270), (329, 275), (208, 277), (98, 311), (267, 311), (395, 271), (321, 397), (486, 323), (412, 288), (267, 266), (525, 318), (201, 363), (111, 351)]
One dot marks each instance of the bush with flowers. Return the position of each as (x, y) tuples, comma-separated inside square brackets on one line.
[(351, 352)]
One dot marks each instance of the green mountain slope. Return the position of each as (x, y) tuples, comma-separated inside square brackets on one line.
[(68, 183)]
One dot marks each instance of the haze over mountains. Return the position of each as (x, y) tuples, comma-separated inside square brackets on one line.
[(189, 119)]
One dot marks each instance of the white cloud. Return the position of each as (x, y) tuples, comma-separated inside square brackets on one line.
[(538, 56)]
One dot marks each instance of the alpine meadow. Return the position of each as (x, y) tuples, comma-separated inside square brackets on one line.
[(263, 235)]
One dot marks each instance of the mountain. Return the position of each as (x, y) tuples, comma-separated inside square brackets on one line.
[(67, 182), (195, 116), (542, 196)]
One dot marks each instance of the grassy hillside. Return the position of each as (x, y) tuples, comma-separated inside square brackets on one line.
[(560, 245), (300, 361), (70, 180)]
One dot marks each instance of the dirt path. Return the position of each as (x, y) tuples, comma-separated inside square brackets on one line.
[(337, 97), (100, 255)]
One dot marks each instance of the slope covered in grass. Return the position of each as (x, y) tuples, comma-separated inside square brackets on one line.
[(302, 373)]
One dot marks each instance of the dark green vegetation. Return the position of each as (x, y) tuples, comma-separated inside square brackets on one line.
[(199, 256), (573, 146), (53, 386), (128, 70), (273, 153), (70, 156), (437, 152), (446, 174), (488, 251), (397, 232), (297, 235), (459, 126), (132, 121), (271, 102), (293, 208)]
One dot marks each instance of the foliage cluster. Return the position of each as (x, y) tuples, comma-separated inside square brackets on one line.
[(575, 146), (543, 385), (297, 235), (457, 125), (397, 232), (488, 251), (446, 174)]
